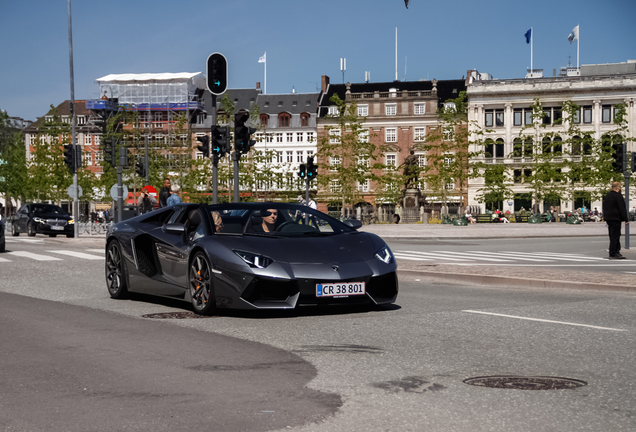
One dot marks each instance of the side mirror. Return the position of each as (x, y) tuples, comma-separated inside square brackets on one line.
[(353, 223), (173, 228)]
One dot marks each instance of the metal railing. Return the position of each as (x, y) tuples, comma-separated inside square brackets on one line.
[(85, 228)]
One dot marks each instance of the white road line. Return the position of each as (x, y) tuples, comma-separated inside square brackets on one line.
[(409, 257), (512, 257), (77, 254), (4, 260), (543, 320), (24, 240), (534, 255), (432, 255), (102, 251), (564, 255), (546, 265), (470, 255), (36, 257)]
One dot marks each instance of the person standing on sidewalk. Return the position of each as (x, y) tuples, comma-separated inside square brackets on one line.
[(614, 212)]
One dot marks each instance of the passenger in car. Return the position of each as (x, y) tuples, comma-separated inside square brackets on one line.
[(269, 222)]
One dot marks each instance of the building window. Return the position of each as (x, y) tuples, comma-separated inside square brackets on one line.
[(363, 161), (334, 136), (269, 138), (81, 120), (304, 119), (334, 186), (606, 114), (200, 119), (299, 156), (489, 150), (390, 109), (290, 156), (587, 114), (88, 158), (310, 136), (333, 110), (279, 156), (391, 134), (390, 161), (528, 144), (334, 163), (450, 185), (363, 110), (363, 187), (264, 120), (290, 137), (198, 155), (283, 119), (576, 116), (310, 153), (529, 119), (419, 134), (557, 116), (279, 137), (363, 136), (87, 139), (419, 108), (299, 136), (499, 118), (499, 148), (421, 160), (517, 148), (488, 120), (449, 158), (518, 117)]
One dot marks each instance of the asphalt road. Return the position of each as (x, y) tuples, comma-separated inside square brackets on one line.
[(399, 368)]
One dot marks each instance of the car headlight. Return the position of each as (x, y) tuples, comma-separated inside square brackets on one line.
[(254, 260), (38, 220), (384, 254), (71, 221)]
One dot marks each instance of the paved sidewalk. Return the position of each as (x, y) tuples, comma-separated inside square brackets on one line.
[(509, 276)]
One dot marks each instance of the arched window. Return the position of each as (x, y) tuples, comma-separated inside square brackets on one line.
[(527, 147), (264, 120), (576, 145), (517, 150), (499, 148), (283, 119), (304, 119), (557, 145), (587, 144), (547, 145), (489, 148)]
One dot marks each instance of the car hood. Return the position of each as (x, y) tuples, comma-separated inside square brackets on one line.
[(340, 248)]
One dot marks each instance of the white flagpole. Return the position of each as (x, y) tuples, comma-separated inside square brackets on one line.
[(578, 41), (531, 42), (396, 63), (265, 86)]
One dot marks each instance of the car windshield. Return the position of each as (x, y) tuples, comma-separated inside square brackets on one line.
[(274, 220), (40, 209)]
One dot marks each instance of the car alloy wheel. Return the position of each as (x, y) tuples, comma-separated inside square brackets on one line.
[(115, 277), (30, 230), (201, 286)]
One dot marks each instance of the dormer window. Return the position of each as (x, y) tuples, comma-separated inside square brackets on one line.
[(264, 120), (283, 119), (304, 119), (280, 103)]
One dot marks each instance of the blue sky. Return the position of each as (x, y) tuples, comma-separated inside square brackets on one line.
[(304, 39)]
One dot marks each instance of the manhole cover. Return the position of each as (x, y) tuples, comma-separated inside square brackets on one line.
[(526, 383), (176, 315)]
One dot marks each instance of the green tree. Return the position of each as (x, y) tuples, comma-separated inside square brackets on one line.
[(347, 155), (14, 179)]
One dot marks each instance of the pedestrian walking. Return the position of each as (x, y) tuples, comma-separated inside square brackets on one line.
[(615, 212), (164, 192)]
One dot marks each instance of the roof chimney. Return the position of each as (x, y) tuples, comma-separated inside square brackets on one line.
[(258, 85), (324, 83)]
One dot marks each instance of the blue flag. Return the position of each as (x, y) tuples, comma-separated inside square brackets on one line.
[(528, 36)]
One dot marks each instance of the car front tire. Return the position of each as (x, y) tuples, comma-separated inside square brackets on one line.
[(200, 280), (115, 272), (31, 230), (14, 230), (2, 245)]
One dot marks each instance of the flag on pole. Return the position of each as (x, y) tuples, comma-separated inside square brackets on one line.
[(528, 36), (262, 58), (574, 35), (406, 2)]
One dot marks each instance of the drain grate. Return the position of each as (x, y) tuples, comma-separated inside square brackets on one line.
[(176, 315), (526, 383)]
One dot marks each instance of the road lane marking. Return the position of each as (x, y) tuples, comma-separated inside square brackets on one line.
[(543, 320), (102, 251), (77, 254), (4, 260), (24, 240), (433, 255), (409, 257), (556, 256), (36, 257), (469, 255), (511, 258), (547, 265)]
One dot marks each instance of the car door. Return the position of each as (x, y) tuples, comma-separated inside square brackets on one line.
[(173, 250), (23, 218)]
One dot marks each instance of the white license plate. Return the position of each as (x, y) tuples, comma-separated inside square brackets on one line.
[(343, 289), (57, 228)]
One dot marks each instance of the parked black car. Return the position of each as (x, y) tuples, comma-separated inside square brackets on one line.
[(43, 219)]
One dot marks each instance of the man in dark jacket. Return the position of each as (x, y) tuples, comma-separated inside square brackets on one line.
[(614, 212), (164, 193)]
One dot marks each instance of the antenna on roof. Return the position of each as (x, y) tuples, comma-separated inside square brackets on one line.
[(343, 67), (367, 76), (405, 58)]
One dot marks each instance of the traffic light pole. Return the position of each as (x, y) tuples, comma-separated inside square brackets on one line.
[(146, 162), (215, 159), (73, 139), (627, 174), (236, 157), (120, 194)]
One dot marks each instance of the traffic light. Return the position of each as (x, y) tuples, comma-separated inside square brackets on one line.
[(243, 134), (618, 164), (220, 140), (69, 157), (312, 170), (205, 145), (302, 171), (124, 156), (140, 167), (216, 71), (110, 151)]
